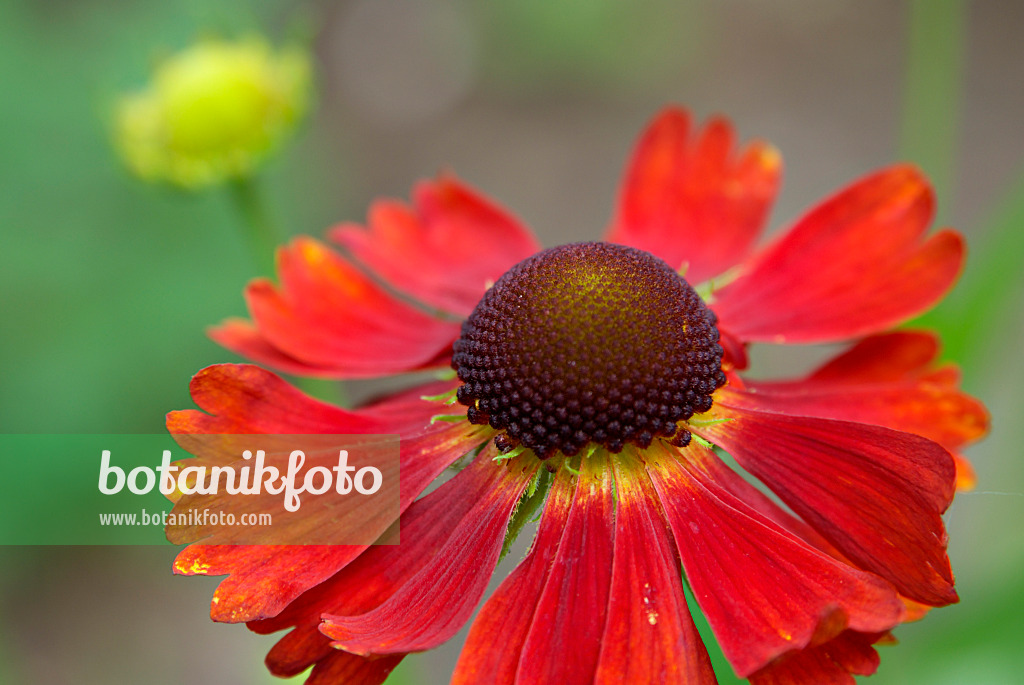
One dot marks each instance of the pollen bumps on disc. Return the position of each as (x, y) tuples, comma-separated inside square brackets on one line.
[(589, 343)]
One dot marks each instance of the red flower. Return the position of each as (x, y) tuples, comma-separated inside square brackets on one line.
[(594, 383)]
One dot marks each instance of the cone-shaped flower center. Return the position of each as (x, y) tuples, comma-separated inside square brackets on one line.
[(588, 343)]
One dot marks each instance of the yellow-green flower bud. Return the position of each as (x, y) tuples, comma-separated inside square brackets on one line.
[(213, 112)]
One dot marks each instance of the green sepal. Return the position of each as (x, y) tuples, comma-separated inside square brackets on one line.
[(452, 418), (447, 397), (702, 441), (708, 422), (511, 454), (527, 508)]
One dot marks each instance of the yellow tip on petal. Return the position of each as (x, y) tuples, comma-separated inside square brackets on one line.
[(966, 479), (213, 112), (195, 568), (770, 157)]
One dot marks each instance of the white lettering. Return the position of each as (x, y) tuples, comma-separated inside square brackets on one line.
[(378, 480), (201, 480), (133, 480), (167, 482), (105, 470)]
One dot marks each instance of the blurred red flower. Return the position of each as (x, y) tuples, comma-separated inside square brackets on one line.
[(599, 441)]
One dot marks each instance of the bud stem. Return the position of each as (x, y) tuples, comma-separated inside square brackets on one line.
[(261, 233)]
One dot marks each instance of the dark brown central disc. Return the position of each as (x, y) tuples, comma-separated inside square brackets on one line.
[(589, 343)]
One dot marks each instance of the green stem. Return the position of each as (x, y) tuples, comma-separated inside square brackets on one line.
[(260, 231), (931, 109)]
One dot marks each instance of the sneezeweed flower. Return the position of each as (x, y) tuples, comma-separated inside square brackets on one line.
[(213, 112), (595, 385)]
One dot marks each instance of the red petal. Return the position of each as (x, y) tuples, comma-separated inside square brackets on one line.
[(445, 252), (341, 667), (298, 650), (649, 636), (735, 484), (244, 339), (829, 664), (874, 493), (427, 525), (689, 198), (261, 580), (966, 478), (332, 317), (510, 609), (937, 412), (947, 374), (305, 647), (247, 399), (886, 357), (378, 573), (888, 380), (735, 352), (239, 398), (854, 265), (564, 642), (763, 591), (434, 604)]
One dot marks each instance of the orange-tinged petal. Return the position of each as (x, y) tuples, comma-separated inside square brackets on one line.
[(240, 398), (445, 251), (246, 399), (915, 610), (890, 380), (243, 338), (854, 265), (426, 527), (691, 199), (937, 412), (893, 356), (966, 478), (330, 316), (262, 580)]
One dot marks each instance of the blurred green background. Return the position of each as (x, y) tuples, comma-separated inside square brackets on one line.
[(107, 283)]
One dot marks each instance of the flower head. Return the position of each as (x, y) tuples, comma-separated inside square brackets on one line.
[(583, 344), (213, 112), (596, 385)]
